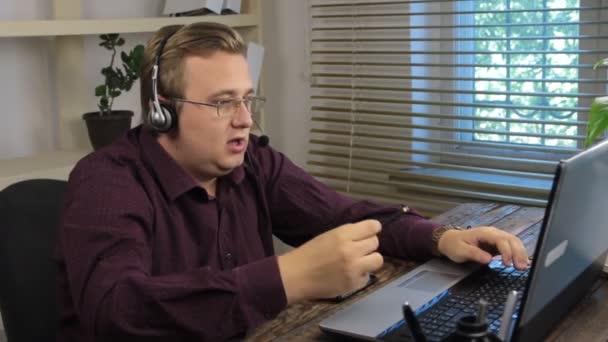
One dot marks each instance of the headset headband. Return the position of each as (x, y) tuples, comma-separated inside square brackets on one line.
[(156, 71)]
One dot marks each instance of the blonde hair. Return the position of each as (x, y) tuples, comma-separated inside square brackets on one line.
[(197, 39)]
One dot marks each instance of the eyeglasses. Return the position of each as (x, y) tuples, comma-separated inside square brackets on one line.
[(229, 107)]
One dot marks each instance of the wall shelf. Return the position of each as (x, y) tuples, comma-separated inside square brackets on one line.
[(77, 27)]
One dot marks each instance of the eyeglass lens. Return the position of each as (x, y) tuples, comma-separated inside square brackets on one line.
[(230, 108)]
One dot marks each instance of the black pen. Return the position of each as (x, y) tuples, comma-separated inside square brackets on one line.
[(412, 322), (394, 216)]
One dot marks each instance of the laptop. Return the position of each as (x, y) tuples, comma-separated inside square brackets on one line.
[(569, 257)]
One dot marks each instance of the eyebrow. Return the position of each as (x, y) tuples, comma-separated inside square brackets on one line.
[(230, 92)]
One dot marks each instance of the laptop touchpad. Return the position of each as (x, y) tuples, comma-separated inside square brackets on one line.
[(429, 281)]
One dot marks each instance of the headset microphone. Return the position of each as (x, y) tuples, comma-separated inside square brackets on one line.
[(263, 140)]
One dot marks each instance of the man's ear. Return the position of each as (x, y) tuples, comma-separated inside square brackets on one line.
[(163, 99)]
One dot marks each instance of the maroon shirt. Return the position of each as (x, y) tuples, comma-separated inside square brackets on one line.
[(144, 252)]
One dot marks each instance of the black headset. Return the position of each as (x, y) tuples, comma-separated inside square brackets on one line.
[(162, 117)]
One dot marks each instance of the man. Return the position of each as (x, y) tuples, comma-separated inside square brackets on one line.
[(167, 233)]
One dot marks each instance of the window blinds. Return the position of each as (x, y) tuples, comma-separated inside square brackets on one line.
[(435, 103)]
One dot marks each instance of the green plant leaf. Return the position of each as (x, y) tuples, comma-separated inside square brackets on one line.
[(100, 90), (113, 81), (139, 50), (137, 56), (601, 62), (598, 120), (120, 75), (124, 57), (118, 80), (106, 71)]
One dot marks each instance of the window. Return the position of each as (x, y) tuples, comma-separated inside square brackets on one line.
[(439, 102), (533, 77)]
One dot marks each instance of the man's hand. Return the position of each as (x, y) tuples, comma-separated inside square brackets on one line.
[(334, 263), (480, 244)]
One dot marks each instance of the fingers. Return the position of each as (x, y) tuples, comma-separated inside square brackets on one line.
[(481, 243), (360, 230), (370, 263), (520, 254), (504, 248), (336, 262), (510, 247), (474, 253), (512, 250), (367, 246)]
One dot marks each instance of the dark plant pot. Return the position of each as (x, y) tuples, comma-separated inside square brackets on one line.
[(104, 129)]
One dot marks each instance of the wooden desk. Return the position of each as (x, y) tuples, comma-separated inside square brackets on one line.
[(586, 322)]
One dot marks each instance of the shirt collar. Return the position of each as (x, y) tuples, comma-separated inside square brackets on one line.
[(173, 179)]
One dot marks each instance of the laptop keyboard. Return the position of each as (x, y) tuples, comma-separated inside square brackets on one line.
[(438, 319)]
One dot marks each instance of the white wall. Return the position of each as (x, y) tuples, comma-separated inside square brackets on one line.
[(28, 115), (28, 121), (285, 80), (285, 76)]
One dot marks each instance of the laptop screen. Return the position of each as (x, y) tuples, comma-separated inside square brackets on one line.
[(575, 228)]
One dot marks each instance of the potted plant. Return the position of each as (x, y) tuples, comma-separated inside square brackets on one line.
[(598, 116), (105, 125)]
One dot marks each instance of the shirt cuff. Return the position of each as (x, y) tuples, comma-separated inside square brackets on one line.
[(263, 294)]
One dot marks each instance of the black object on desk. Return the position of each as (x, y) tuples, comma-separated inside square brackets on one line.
[(412, 323), (372, 279), (473, 328)]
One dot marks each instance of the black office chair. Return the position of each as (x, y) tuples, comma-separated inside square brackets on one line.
[(29, 216)]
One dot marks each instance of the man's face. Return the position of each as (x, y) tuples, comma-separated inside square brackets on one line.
[(206, 145)]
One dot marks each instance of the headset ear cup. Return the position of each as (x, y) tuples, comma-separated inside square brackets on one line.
[(164, 120), (171, 114)]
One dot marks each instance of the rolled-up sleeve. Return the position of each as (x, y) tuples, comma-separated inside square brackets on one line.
[(302, 207)]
